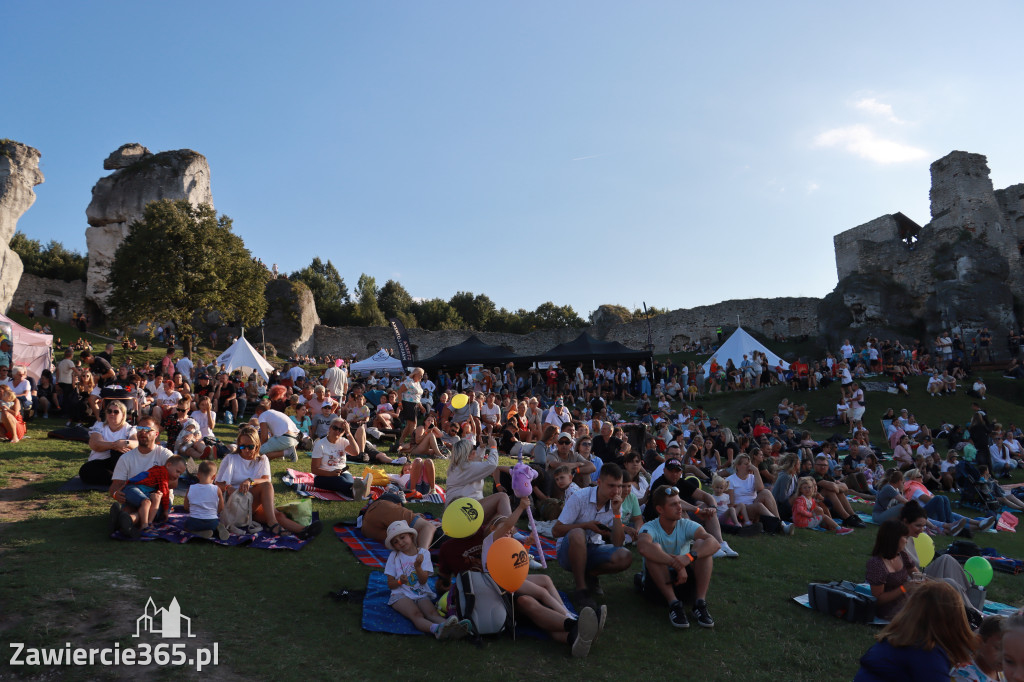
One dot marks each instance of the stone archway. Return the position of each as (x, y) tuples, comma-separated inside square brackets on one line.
[(51, 309)]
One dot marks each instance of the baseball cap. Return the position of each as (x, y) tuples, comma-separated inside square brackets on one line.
[(674, 464), (565, 436)]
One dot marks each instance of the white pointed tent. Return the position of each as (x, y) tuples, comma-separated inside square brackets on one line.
[(379, 362), (738, 344), (241, 354)]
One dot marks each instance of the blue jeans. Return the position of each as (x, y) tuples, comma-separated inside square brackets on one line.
[(939, 509), (339, 484), (194, 525), (596, 554)]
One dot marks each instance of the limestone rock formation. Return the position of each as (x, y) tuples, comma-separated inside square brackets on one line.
[(126, 155), (120, 198), (19, 173), (291, 316)]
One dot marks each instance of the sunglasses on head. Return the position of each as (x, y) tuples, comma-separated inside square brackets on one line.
[(671, 490), (243, 446)]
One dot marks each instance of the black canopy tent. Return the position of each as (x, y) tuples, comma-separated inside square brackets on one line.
[(586, 347), (472, 350)]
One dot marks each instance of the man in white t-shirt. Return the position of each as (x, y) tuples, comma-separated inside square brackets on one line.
[(185, 366), (337, 380), (847, 350), (147, 455), (490, 411), (558, 414), (294, 373), (278, 434)]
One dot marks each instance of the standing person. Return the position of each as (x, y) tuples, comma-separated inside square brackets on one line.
[(336, 377), (185, 367), (590, 535), (66, 382), (99, 367), (856, 402), (677, 554), (411, 395)]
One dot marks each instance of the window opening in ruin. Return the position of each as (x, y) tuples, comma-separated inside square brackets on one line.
[(909, 230)]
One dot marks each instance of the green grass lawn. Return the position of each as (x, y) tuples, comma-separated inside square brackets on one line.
[(62, 579)]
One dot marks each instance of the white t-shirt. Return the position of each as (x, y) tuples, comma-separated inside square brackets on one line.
[(205, 427), (184, 365), (133, 462), (203, 501), (165, 399), (234, 469), (23, 389), (331, 455), (743, 490), (336, 378), (490, 414), (125, 432), (847, 351), (65, 370), (400, 565), (278, 423)]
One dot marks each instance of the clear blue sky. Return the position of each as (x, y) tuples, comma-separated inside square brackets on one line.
[(580, 152)]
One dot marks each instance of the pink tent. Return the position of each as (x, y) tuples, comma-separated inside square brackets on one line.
[(32, 350)]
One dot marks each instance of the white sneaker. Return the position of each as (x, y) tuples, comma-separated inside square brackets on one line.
[(987, 523), (729, 551), (399, 460), (720, 554)]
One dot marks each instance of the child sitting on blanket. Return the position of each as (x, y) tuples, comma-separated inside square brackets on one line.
[(728, 512), (807, 509), (538, 599), (151, 489), (408, 569), (204, 502)]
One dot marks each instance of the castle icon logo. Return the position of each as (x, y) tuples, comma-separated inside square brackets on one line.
[(166, 622)]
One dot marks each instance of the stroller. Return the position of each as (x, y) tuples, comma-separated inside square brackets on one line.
[(973, 492)]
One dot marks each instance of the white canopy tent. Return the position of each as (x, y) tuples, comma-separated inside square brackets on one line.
[(741, 343), (241, 354), (31, 350), (379, 362)]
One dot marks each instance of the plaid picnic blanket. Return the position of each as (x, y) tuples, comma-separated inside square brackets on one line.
[(173, 530), (375, 554), (306, 478)]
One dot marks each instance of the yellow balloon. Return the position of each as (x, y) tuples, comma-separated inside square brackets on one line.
[(462, 518), (459, 400), (925, 547), (442, 604)]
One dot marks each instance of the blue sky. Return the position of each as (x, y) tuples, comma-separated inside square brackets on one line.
[(580, 152)]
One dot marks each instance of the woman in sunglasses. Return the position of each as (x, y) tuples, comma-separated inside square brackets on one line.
[(108, 439), (247, 471)]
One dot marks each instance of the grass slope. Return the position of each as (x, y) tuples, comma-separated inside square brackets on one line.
[(62, 579)]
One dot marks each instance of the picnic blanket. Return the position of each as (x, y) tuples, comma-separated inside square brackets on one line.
[(991, 608), (379, 617), (306, 478), (866, 518), (375, 554), (173, 530)]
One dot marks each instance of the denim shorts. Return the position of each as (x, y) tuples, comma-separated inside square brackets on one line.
[(134, 495), (596, 554)]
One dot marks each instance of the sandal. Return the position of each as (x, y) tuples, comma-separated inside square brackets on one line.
[(275, 529), (310, 531)]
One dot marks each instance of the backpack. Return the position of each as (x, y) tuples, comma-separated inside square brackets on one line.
[(842, 600), (474, 596)]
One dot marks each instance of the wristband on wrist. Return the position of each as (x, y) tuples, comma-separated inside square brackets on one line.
[(617, 517), (690, 557), (903, 589)]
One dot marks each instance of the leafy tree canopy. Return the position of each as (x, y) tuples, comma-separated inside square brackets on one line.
[(181, 262), (329, 291), (52, 261)]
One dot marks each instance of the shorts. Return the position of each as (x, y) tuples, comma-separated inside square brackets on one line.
[(814, 521), (596, 554), (135, 495), (381, 514), (410, 412), (684, 593)]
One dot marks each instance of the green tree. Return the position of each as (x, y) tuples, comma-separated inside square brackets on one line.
[(203, 267), (551, 316), (53, 261), (435, 314), (638, 313), (475, 310), (329, 290), (367, 312), (393, 299)]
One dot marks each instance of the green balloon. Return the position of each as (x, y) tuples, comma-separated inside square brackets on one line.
[(979, 569)]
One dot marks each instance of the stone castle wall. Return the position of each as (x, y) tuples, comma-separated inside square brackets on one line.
[(670, 332), (68, 297)]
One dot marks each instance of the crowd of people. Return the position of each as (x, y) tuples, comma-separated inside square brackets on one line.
[(664, 476)]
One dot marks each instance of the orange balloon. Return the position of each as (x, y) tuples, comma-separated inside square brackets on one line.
[(508, 563)]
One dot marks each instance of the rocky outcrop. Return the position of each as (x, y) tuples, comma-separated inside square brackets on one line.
[(19, 173), (291, 317), (959, 271), (120, 198)]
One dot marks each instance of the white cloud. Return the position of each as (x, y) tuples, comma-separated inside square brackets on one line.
[(873, 106), (812, 187), (863, 142)]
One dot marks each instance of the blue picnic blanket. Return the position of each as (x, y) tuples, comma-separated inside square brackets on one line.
[(173, 530)]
